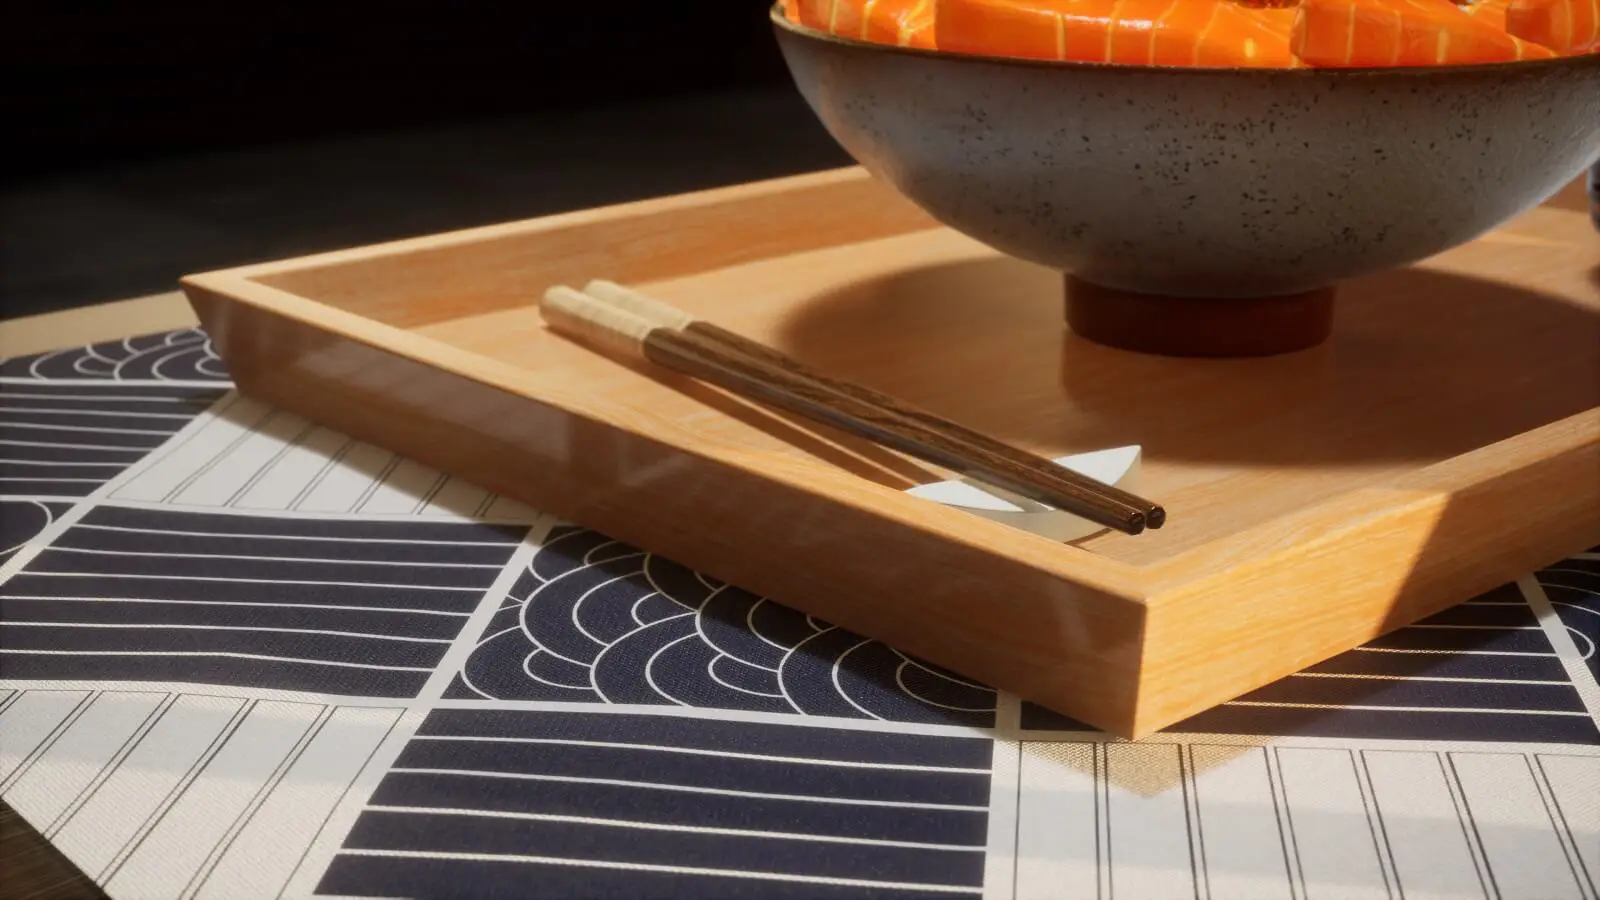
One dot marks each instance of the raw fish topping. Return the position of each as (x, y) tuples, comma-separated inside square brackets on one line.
[(1227, 33)]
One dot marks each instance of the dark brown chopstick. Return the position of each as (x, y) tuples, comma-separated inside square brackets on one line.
[(665, 315), (611, 318)]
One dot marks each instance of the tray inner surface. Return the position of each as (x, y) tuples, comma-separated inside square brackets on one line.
[(1425, 364)]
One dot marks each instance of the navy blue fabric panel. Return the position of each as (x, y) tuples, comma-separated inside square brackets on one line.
[(129, 402), (430, 879), (623, 843), (354, 608), (1541, 666), (694, 769), (1517, 640), (425, 541), (283, 675), (1573, 588), (460, 601), (67, 440), (97, 437), (23, 521), (395, 624), (710, 734), (1409, 725), (772, 807), (245, 536), (669, 806), (297, 563), (1523, 697), (164, 638), (1480, 615)]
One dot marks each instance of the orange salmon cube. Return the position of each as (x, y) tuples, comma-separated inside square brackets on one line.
[(1565, 26), (1356, 33), (1135, 32)]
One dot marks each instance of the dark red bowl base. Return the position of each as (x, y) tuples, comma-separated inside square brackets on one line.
[(1191, 327)]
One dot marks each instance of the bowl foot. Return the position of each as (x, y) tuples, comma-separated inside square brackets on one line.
[(1189, 326)]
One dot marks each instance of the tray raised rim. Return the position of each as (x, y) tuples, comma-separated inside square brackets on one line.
[(1405, 505), (1435, 480)]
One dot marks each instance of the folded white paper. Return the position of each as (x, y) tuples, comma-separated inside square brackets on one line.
[(1118, 466)]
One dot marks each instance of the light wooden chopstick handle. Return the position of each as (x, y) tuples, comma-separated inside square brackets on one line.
[(662, 315), (595, 322)]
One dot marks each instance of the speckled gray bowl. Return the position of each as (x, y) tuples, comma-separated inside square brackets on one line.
[(1204, 183)]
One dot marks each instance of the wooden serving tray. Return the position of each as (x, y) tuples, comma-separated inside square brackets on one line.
[(1445, 441)]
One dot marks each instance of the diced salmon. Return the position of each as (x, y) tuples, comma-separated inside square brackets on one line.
[(1492, 12), (906, 23), (1354, 33), (1139, 32), (1565, 26)]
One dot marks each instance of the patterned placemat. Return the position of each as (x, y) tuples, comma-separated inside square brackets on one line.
[(242, 655)]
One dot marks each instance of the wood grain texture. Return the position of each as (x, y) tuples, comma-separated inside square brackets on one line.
[(998, 465), (777, 386), (1444, 439), (754, 372), (786, 528), (31, 869)]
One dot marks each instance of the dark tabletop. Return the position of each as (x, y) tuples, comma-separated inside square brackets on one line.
[(95, 234)]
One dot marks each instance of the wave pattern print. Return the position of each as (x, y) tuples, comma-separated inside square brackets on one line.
[(596, 621), (21, 521), (598, 804), (1480, 671), (336, 606), (184, 355), (1573, 587), (66, 440)]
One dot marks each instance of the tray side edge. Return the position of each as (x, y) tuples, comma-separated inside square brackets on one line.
[(1014, 622), (212, 295), (1578, 433), (1429, 542)]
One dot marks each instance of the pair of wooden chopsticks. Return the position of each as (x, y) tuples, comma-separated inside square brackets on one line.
[(621, 320)]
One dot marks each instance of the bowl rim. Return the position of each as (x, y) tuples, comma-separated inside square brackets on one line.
[(1521, 66)]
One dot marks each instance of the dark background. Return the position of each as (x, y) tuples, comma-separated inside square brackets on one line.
[(151, 139), (145, 140)]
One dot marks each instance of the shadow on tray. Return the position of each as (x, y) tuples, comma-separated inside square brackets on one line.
[(1423, 366)]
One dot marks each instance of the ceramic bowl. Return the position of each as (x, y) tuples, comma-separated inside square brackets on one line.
[(1195, 183)]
